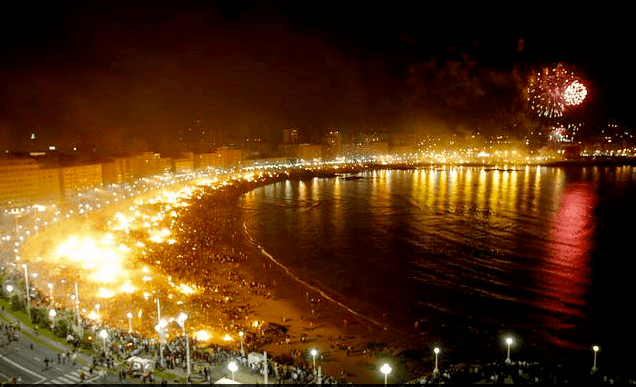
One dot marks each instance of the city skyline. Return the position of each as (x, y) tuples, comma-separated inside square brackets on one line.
[(137, 76)]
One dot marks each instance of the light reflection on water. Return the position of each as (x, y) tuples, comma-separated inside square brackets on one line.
[(564, 274), (506, 249)]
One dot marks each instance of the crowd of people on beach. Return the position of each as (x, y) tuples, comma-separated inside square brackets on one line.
[(204, 254)]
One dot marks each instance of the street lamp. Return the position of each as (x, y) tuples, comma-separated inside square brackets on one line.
[(50, 286), (77, 302), (386, 370), (28, 293), (595, 349), (241, 335), (103, 334), (313, 356), (52, 314), (181, 321), (233, 367), (35, 278), (129, 315), (161, 329), (436, 350), (9, 291), (509, 342)]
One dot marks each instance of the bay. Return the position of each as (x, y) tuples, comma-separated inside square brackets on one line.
[(462, 257)]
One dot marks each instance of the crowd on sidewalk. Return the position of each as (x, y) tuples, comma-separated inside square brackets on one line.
[(518, 372)]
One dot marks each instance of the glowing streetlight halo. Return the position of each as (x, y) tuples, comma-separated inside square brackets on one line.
[(509, 342), (595, 348), (241, 336), (386, 370), (232, 367), (52, 314), (181, 319), (436, 350), (104, 335)]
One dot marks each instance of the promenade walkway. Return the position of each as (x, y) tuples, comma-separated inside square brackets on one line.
[(102, 373)]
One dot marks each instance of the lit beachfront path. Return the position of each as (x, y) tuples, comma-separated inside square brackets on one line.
[(306, 284)]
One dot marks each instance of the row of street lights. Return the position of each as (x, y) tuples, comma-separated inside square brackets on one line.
[(181, 319), (160, 327), (509, 342), (386, 368)]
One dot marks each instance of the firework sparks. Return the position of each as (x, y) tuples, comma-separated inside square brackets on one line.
[(549, 92), (575, 93)]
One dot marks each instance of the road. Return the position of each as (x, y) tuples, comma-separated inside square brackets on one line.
[(18, 360)]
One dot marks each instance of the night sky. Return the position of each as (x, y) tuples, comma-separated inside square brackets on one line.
[(129, 76)]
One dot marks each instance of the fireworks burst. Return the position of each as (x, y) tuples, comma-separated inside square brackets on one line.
[(549, 92), (575, 93)]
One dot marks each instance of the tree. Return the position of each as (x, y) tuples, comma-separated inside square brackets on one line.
[(17, 304), (39, 316), (61, 328)]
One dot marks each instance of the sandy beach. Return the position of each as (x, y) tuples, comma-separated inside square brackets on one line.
[(235, 285)]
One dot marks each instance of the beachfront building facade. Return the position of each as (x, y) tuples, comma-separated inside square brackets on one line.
[(309, 152), (49, 185), (18, 182), (75, 179), (184, 164), (206, 160), (119, 170), (148, 164), (228, 157), (26, 181)]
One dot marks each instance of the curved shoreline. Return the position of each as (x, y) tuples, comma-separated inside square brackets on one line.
[(304, 283), (477, 352)]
